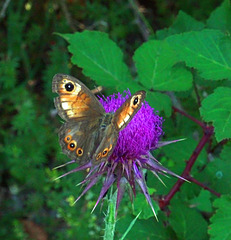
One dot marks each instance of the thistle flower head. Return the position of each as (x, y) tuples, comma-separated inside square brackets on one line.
[(131, 154)]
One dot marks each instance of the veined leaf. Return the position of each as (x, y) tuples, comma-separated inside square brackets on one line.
[(209, 51), (216, 108), (220, 18), (220, 228), (202, 201), (100, 58), (154, 61), (160, 102), (183, 23), (187, 222)]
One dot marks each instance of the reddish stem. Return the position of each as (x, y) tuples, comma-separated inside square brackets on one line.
[(208, 132), (191, 179), (201, 124)]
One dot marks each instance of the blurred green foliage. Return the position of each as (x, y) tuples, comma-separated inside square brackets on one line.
[(30, 54)]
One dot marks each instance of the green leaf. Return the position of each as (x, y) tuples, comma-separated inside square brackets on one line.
[(217, 173), (160, 102), (220, 18), (141, 205), (130, 227), (220, 228), (216, 108), (187, 222), (100, 58), (183, 23), (143, 229), (154, 61), (203, 201), (209, 51)]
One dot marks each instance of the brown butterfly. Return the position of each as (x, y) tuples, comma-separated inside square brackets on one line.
[(89, 134)]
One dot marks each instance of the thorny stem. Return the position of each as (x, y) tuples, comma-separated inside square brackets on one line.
[(208, 132), (202, 125), (191, 179)]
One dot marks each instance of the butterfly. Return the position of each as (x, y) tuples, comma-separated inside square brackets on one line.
[(89, 134)]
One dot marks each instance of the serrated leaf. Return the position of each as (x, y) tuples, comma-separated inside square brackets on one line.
[(220, 228), (216, 108), (183, 23), (100, 58), (209, 51), (154, 62), (187, 222), (220, 18), (160, 102), (203, 201)]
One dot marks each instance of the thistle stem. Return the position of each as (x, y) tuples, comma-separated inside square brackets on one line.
[(110, 218)]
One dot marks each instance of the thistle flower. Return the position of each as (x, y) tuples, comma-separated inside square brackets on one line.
[(131, 154)]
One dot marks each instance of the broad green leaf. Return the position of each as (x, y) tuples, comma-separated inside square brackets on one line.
[(183, 23), (160, 102), (220, 18), (220, 227), (209, 51), (130, 226), (141, 205), (143, 229), (187, 222), (216, 108), (100, 58), (203, 202), (217, 172), (154, 61)]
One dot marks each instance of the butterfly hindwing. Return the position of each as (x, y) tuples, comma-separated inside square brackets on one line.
[(106, 146), (79, 140)]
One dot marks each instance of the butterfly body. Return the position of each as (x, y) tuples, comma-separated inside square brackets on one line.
[(89, 133)]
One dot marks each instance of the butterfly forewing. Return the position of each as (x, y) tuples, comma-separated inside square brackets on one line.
[(127, 111), (119, 121), (75, 102)]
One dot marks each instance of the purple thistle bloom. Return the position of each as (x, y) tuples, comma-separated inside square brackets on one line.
[(131, 154)]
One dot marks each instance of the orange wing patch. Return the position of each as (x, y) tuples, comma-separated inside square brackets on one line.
[(129, 109), (74, 101)]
